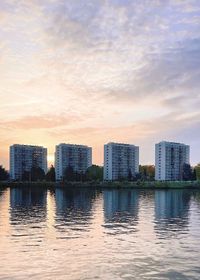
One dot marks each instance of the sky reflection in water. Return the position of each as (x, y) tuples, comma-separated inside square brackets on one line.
[(108, 234)]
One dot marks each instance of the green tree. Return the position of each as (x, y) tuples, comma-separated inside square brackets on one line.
[(130, 176), (187, 172), (94, 173), (51, 176), (147, 172), (197, 169), (194, 175), (136, 177), (3, 174)]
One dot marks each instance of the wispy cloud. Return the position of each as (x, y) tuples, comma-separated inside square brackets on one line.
[(94, 71), (40, 122)]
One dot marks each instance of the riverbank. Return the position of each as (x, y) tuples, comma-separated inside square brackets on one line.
[(118, 185)]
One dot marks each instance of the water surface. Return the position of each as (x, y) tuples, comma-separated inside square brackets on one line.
[(93, 234)]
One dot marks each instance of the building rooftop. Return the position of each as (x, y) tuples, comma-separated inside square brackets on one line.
[(121, 144), (28, 146), (172, 143), (73, 145)]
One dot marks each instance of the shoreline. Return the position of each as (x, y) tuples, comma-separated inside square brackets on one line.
[(108, 185)]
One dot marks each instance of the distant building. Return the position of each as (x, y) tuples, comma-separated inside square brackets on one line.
[(170, 158), (121, 161), (24, 157), (77, 157)]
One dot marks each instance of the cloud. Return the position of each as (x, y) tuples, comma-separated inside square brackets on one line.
[(124, 47), (40, 122), (94, 71), (175, 126)]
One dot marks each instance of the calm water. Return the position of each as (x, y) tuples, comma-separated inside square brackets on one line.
[(86, 234)]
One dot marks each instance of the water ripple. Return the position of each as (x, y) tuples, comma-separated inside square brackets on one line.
[(93, 234)]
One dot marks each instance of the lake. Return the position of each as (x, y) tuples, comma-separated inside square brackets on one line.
[(99, 234)]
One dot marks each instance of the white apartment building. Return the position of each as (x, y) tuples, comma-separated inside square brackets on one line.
[(78, 157), (170, 158), (24, 157), (120, 161)]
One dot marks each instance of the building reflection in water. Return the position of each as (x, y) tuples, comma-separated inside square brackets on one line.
[(28, 205), (4, 214), (171, 211), (121, 210), (2, 191), (196, 195), (73, 209)]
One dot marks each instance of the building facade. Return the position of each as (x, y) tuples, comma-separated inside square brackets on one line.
[(24, 157), (121, 161), (77, 157), (170, 158)]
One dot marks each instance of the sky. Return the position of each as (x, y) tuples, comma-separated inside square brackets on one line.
[(94, 71)]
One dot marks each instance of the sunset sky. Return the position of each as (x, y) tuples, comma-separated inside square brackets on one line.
[(94, 71)]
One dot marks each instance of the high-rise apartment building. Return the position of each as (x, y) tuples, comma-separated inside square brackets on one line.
[(77, 157), (121, 161), (24, 157), (170, 158)]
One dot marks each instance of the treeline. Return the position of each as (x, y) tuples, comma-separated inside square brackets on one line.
[(146, 173), (189, 173), (197, 171), (4, 175), (38, 174), (95, 173)]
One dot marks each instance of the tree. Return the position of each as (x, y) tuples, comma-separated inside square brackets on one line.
[(37, 174), (94, 173), (3, 174), (73, 176), (51, 176), (26, 176), (194, 175), (187, 174), (69, 174), (136, 177), (147, 172), (130, 176), (197, 170)]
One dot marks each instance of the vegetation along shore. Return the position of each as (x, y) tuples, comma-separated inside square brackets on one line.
[(95, 184)]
